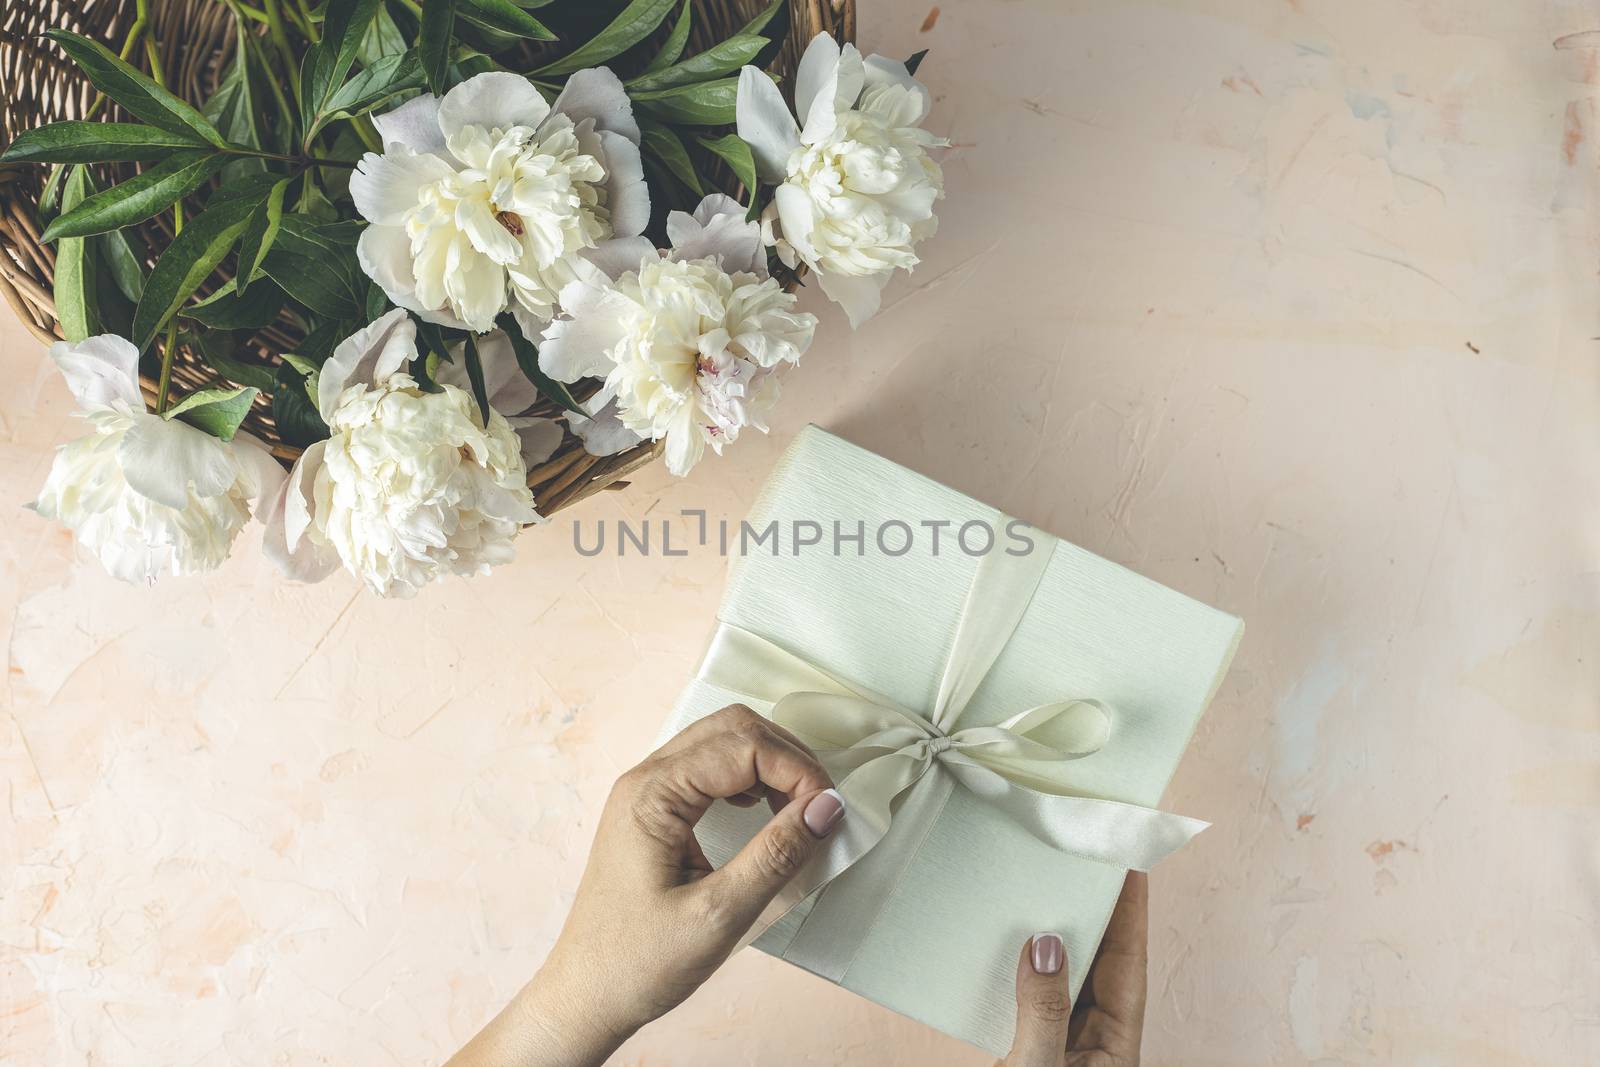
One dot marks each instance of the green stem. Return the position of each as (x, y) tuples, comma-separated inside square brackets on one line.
[(169, 351), (309, 23), (303, 161), (272, 83), (167, 354), (280, 38), (151, 52), (129, 43)]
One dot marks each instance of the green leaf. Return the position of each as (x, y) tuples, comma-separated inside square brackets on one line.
[(759, 23), (379, 83), (433, 42), (632, 25), (301, 364), (126, 265), (328, 61), (134, 90), (916, 61), (225, 309), (260, 234), (316, 263), (295, 416), (673, 46), (234, 111), (528, 360), (95, 142), (214, 347), (76, 307), (322, 340), (50, 195), (720, 58), (504, 17), (480, 392), (732, 150), (187, 262), (702, 104), (666, 146), (141, 196), (431, 334), (383, 38), (216, 411), (377, 301)]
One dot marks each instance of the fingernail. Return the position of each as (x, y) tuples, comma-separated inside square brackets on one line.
[(824, 812), (1048, 952)]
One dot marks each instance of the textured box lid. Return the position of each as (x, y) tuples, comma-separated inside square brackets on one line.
[(943, 949)]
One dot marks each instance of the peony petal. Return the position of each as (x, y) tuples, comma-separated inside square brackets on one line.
[(859, 296), (100, 370), (369, 355), (797, 219), (685, 443), (765, 124), (475, 284), (596, 93), (837, 92), (718, 229), (301, 492), (474, 218), (818, 69), (627, 195), (287, 512), (617, 257), (540, 438), (386, 187), (493, 100), (883, 71), (579, 346), (162, 459), (602, 431), (384, 253), (415, 125), (262, 474)]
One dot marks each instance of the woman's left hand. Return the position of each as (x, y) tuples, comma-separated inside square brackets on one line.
[(652, 920)]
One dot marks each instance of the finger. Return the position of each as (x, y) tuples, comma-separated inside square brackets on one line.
[(746, 884), (1128, 932), (1118, 980), (1044, 1004), (741, 753)]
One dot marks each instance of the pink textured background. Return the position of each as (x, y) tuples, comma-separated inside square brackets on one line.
[(1290, 305)]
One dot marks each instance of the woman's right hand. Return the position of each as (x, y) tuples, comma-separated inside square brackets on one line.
[(1106, 1026)]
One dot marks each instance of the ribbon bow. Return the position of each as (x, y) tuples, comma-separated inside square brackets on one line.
[(897, 768)]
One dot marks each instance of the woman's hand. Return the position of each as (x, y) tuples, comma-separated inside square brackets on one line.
[(1106, 1026), (652, 919)]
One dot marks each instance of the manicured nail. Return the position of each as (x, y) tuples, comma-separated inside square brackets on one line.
[(1048, 953), (824, 812)]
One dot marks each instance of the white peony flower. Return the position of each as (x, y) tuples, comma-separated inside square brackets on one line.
[(410, 485), (483, 199), (855, 185), (147, 495), (687, 343)]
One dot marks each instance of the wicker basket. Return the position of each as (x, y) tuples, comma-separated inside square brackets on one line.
[(195, 38)]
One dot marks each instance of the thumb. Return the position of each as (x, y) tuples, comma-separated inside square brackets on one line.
[(1044, 1005), (747, 883)]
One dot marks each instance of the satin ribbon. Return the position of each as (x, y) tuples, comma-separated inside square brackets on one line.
[(896, 767)]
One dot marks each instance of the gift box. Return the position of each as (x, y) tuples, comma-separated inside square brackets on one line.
[(1000, 709)]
